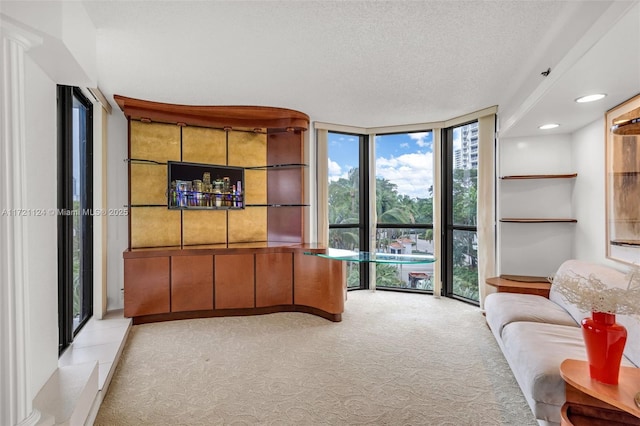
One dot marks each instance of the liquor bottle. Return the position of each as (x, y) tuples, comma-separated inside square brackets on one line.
[(239, 188)]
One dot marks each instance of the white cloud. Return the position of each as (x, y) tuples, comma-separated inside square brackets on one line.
[(412, 173), (335, 171), (420, 137), (404, 145)]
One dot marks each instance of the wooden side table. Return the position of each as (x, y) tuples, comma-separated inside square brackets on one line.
[(589, 402), (523, 285)]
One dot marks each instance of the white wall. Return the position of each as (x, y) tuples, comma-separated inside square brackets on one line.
[(42, 245), (534, 249), (65, 56), (117, 197), (588, 146), (68, 52), (523, 249)]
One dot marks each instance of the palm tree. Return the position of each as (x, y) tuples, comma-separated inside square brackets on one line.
[(388, 276)]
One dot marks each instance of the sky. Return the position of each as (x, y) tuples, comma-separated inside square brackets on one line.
[(405, 159)]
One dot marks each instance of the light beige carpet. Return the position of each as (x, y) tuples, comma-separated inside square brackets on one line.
[(395, 359)]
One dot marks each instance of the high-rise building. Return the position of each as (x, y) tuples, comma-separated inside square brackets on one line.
[(466, 157)]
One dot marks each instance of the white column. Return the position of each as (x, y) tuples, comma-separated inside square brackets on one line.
[(438, 223), (320, 164), (373, 214), (15, 393), (486, 203)]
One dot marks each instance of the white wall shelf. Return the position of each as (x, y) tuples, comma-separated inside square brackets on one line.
[(536, 217), (563, 176)]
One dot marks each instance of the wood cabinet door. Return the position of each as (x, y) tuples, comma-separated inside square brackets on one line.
[(191, 283), (234, 281), (146, 286), (319, 283), (274, 279)]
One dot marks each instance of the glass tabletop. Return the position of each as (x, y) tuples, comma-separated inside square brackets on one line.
[(365, 256)]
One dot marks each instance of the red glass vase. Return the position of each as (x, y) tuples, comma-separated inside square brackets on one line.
[(604, 340)]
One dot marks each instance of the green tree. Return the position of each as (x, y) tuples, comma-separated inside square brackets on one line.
[(424, 210), (388, 276), (465, 252), (387, 197), (344, 198), (392, 207)]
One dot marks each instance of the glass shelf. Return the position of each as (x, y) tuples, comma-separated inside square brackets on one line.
[(277, 205), (216, 207), (278, 166), (143, 161), (367, 257), (270, 167)]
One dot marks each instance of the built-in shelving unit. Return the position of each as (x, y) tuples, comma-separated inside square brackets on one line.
[(195, 260), (536, 221)]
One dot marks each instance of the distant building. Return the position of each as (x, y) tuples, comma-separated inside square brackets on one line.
[(395, 248), (401, 246), (466, 157)]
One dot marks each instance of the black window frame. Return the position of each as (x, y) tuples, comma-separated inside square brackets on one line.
[(448, 226), (421, 226), (66, 214), (363, 225)]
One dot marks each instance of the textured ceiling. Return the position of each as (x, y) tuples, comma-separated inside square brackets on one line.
[(364, 64)]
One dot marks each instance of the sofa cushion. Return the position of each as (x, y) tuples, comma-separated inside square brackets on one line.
[(632, 348), (504, 308), (535, 352), (607, 275), (612, 278)]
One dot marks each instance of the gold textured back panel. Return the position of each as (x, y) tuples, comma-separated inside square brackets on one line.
[(154, 227), (247, 225), (255, 186), (247, 149), (149, 184), (204, 227), (155, 141), (203, 145)]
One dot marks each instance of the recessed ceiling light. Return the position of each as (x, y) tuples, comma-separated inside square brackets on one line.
[(590, 98), (548, 126)]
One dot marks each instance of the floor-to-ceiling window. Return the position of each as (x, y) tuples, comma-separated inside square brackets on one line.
[(460, 178), (403, 177), (348, 209), (75, 223), (404, 207), (400, 172)]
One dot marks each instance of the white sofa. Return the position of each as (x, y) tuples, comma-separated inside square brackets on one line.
[(536, 334)]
